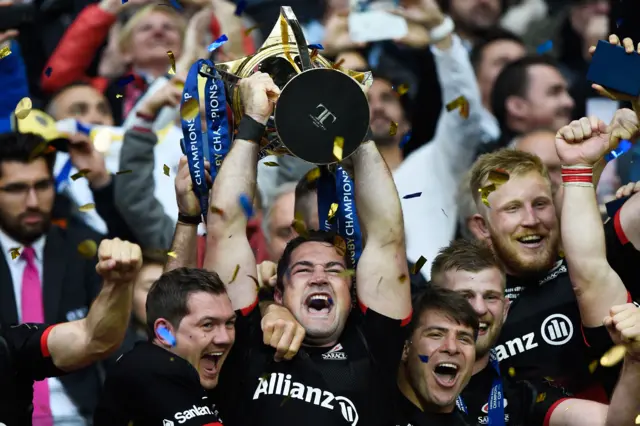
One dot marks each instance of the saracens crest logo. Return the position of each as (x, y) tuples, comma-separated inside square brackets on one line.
[(281, 384)]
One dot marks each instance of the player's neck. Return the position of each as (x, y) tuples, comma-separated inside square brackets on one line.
[(480, 364)]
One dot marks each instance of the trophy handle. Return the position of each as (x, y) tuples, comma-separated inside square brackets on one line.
[(301, 42)]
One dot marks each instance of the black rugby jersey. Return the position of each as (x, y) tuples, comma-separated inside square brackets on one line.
[(543, 337), (348, 384), (407, 414), (150, 386), (524, 404), (24, 358)]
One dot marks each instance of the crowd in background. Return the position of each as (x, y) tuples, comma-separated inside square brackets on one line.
[(519, 65)]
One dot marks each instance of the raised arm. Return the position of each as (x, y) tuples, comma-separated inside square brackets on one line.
[(580, 145), (382, 275), (76, 344), (228, 250)]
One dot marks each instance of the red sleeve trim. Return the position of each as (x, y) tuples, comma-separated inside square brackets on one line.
[(246, 311), (146, 117), (618, 227), (44, 346), (403, 323), (547, 417)]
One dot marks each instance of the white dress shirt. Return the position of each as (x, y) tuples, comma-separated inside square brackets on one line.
[(64, 411)]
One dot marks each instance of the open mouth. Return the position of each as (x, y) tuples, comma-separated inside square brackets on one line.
[(319, 303), (484, 327), (446, 374), (210, 362), (531, 241)]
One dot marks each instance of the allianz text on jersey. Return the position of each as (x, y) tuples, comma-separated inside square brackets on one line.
[(281, 384)]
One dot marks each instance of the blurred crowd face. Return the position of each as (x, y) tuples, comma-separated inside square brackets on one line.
[(280, 230), (543, 144), (84, 103), (152, 37), (582, 14), (495, 56), (548, 103), (149, 273), (443, 341), (26, 199), (485, 292), (522, 224), (206, 334), (473, 15), (317, 291), (385, 107)]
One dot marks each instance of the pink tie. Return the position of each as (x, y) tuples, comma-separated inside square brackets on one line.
[(33, 311)]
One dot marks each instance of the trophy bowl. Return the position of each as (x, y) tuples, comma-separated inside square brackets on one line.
[(319, 104)]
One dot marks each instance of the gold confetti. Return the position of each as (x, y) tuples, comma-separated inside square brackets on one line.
[(270, 164), (418, 265), (338, 64), (402, 278), (285, 399), (561, 253), (402, 89), (340, 244), (393, 129), (613, 356), (333, 209), (593, 366), (235, 274), (255, 280), (313, 174), (250, 29), (189, 109), (15, 252), (118, 95), (87, 207), (338, 145), (216, 210), (484, 193), (512, 371), (88, 249), (39, 149), (172, 254), (23, 108), (498, 176), (299, 226), (284, 35), (172, 59), (124, 172), (638, 419), (80, 174), (347, 273), (4, 52), (264, 376), (541, 397), (165, 169), (462, 103)]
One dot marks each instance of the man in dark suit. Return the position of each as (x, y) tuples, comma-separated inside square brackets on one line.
[(43, 275)]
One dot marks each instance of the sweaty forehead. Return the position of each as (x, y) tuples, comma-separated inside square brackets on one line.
[(432, 318), (483, 281), (315, 252)]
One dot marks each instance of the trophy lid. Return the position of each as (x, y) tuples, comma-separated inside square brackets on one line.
[(316, 107)]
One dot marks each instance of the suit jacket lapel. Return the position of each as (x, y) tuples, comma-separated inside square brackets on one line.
[(55, 265), (8, 309)]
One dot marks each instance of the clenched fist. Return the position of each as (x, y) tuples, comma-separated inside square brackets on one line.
[(258, 94), (623, 325), (119, 261)]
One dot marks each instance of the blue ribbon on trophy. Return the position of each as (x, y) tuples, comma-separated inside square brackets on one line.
[(218, 142)]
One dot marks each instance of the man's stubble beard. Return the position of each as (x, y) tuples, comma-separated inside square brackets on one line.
[(509, 256), (18, 232)]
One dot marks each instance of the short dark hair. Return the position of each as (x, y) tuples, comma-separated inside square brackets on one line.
[(493, 35), (452, 304), (395, 80), (23, 148), (464, 255), (513, 80), (169, 296), (312, 236)]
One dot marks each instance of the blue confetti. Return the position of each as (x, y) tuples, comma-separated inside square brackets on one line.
[(623, 147), (124, 1), (83, 128), (242, 4), (545, 47), (247, 205), (316, 46), (176, 5), (423, 358), (219, 42), (48, 71), (405, 139), (126, 80), (414, 195), (166, 335)]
